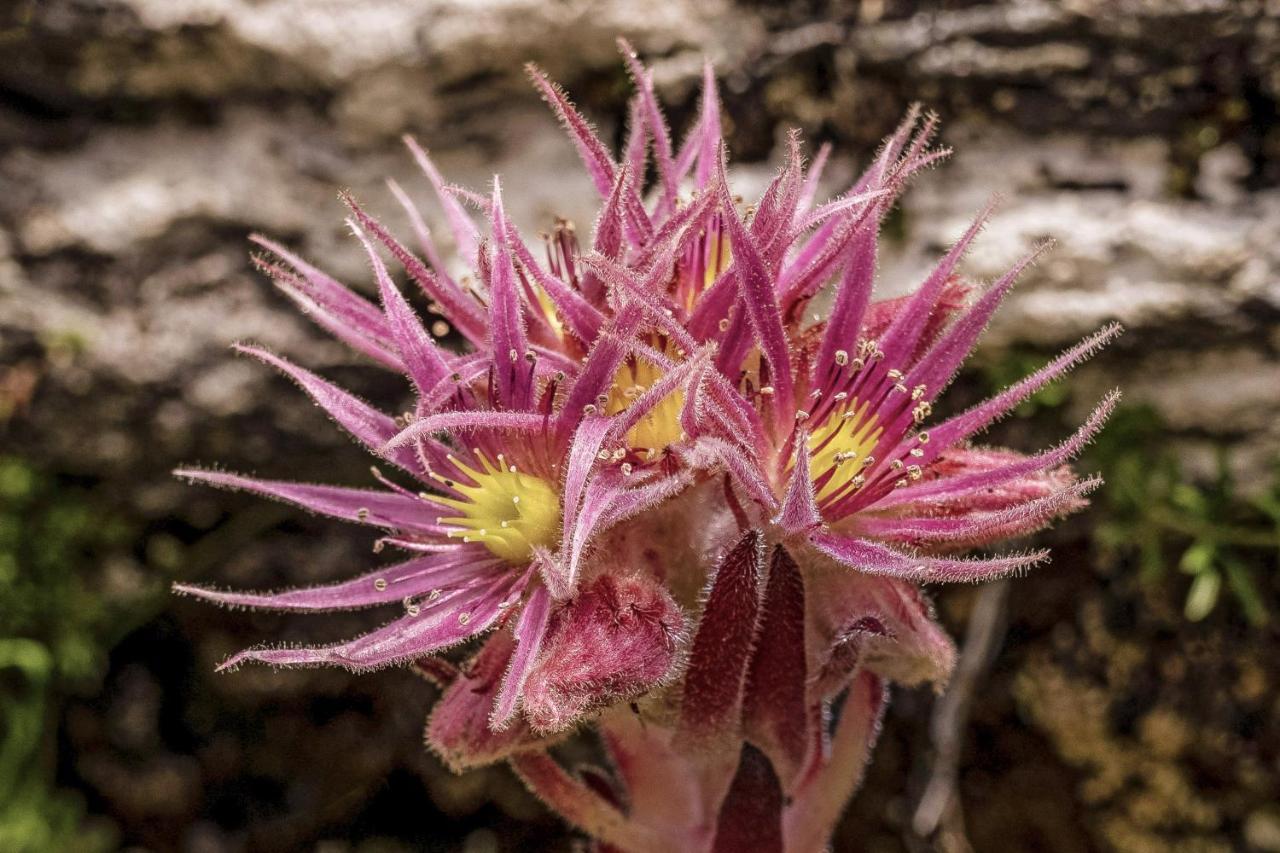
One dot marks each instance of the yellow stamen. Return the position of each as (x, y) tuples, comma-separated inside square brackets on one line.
[(842, 444), (510, 512)]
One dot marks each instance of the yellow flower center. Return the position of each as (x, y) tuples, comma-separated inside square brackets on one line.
[(548, 306), (658, 429), (510, 512), (842, 444)]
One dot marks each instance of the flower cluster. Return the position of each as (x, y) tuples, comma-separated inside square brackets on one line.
[(674, 501)]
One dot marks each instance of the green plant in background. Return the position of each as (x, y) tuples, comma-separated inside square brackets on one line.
[(1220, 537), (68, 595), (1156, 512)]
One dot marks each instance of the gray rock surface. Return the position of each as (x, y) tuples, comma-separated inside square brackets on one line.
[(146, 138)]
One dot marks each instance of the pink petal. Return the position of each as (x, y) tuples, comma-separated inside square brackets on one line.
[(529, 636), (423, 361), (366, 506), (382, 586), (458, 728), (1006, 468), (466, 237), (459, 307), (447, 621), (506, 321), (799, 512), (981, 416), (876, 559), (758, 295), (370, 426), (657, 126)]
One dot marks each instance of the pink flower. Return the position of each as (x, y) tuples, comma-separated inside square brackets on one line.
[(681, 506)]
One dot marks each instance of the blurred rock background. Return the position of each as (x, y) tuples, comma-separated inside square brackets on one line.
[(1133, 702)]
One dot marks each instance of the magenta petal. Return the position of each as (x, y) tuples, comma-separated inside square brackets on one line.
[(713, 682), (466, 237), (370, 426), (944, 358), (458, 728), (657, 126), (581, 316), (970, 529), (972, 421), (459, 421), (751, 816), (529, 635), (432, 626), (581, 460), (852, 298), (390, 510), (595, 155), (901, 336), (774, 704), (383, 586), (506, 320), (874, 558), (761, 300), (813, 178), (424, 362), (1009, 469), (799, 513), (350, 318), (459, 307)]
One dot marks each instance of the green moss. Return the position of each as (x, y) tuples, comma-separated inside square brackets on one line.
[(61, 615)]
